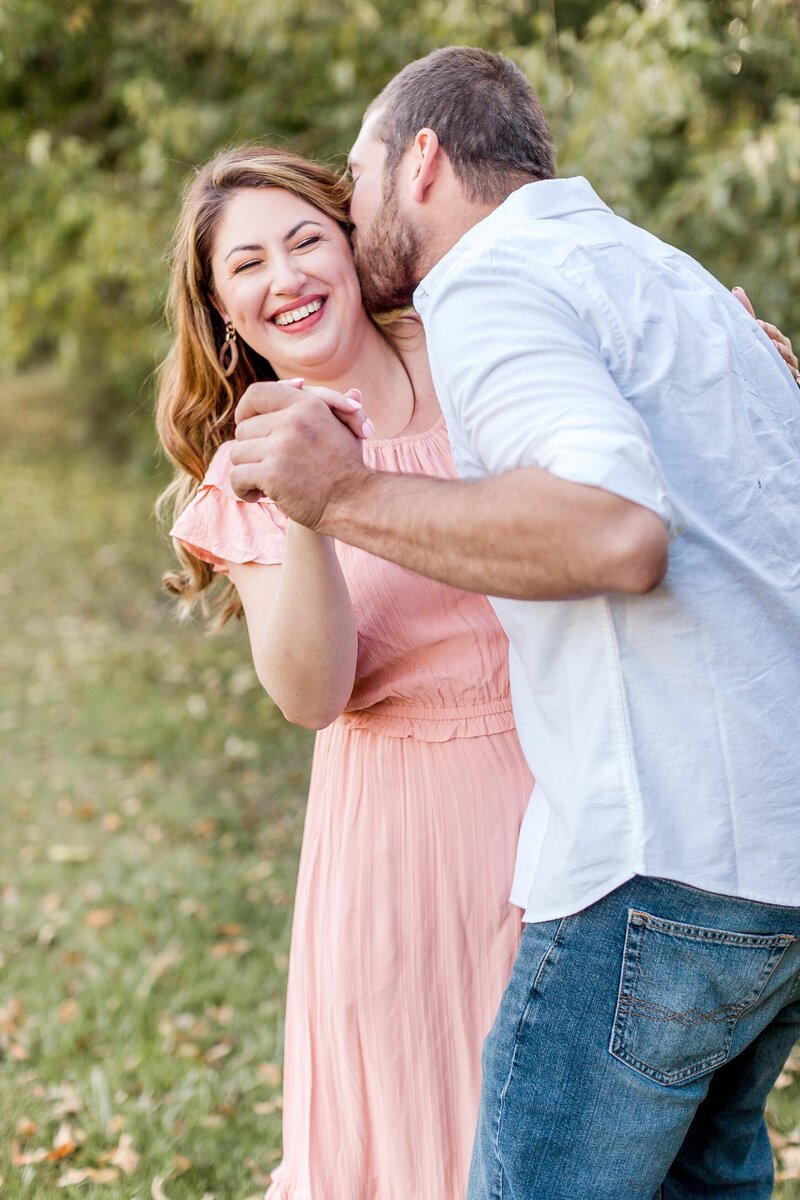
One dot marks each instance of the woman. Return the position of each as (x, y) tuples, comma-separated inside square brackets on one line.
[(403, 936)]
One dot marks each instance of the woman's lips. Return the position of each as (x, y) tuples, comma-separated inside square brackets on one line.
[(282, 319)]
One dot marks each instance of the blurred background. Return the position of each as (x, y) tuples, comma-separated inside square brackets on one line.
[(152, 795)]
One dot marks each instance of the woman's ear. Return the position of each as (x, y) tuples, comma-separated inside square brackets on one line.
[(427, 158), (215, 302)]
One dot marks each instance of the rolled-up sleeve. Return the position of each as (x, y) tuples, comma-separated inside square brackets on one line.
[(530, 383)]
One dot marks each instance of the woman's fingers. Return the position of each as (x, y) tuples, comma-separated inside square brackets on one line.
[(261, 400), (782, 343), (744, 299), (347, 408)]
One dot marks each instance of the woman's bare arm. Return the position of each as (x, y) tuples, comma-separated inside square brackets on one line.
[(302, 628)]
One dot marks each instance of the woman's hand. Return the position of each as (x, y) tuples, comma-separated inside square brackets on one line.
[(346, 407), (781, 342)]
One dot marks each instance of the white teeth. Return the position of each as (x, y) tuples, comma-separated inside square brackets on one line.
[(297, 314)]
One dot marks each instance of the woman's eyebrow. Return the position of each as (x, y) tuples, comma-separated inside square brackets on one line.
[(237, 248), (299, 225), (287, 237)]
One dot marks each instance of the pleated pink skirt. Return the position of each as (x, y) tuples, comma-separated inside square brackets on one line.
[(403, 940)]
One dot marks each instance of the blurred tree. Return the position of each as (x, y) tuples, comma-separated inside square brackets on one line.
[(685, 115)]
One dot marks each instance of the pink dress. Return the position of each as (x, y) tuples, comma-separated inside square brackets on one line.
[(403, 936)]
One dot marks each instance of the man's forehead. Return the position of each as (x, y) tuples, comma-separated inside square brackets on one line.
[(366, 145)]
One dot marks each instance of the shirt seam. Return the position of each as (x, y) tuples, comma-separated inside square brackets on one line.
[(633, 791)]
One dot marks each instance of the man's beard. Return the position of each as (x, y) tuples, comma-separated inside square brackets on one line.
[(387, 258)]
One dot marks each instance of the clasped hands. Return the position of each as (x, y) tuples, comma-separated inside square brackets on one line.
[(299, 445)]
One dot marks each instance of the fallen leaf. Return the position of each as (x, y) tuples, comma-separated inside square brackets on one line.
[(223, 1014), (230, 929), (221, 1050), (68, 1102), (124, 1157), (267, 1107), (111, 822), (187, 1050), (67, 1011), (790, 1161), (99, 918), (26, 1127), (59, 853), (65, 1150), (11, 1014), (20, 1159), (78, 1175), (269, 1073)]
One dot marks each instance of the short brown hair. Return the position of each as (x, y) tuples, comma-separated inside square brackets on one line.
[(484, 112)]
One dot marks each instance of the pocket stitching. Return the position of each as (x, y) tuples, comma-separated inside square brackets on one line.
[(638, 923)]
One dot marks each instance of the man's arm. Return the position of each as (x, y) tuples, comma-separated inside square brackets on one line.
[(526, 534)]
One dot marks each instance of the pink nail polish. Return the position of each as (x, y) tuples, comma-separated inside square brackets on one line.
[(294, 382), (368, 429)]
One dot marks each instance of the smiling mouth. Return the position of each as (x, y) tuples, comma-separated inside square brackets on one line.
[(299, 314)]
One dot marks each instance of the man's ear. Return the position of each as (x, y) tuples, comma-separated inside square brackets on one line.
[(427, 157)]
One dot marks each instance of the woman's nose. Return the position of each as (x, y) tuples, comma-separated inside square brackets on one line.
[(287, 277)]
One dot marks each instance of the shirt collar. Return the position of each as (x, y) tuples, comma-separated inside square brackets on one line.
[(543, 199)]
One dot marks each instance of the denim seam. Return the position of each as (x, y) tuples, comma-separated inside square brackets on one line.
[(627, 981), (703, 933), (504, 1090), (795, 992), (691, 887)]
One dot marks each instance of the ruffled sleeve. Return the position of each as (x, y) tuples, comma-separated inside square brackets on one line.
[(219, 528)]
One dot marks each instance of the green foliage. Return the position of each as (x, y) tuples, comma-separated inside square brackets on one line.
[(685, 115)]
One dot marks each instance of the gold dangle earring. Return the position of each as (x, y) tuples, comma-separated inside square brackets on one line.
[(229, 351)]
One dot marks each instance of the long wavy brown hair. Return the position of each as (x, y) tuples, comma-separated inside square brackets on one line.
[(196, 402)]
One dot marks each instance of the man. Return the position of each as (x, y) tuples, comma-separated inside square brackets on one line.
[(628, 442)]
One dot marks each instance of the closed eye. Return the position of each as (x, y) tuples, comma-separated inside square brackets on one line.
[(253, 262), (308, 242)]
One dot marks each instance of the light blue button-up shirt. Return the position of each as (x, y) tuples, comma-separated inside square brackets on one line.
[(663, 730)]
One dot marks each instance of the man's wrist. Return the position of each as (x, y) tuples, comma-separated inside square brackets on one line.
[(355, 498)]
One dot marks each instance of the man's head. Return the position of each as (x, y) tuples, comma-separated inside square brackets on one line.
[(461, 119)]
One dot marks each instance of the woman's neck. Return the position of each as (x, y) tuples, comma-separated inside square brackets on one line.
[(379, 373)]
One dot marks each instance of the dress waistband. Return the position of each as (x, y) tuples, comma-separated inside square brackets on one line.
[(431, 724)]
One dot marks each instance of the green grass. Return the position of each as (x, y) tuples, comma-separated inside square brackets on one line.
[(153, 805), (153, 802)]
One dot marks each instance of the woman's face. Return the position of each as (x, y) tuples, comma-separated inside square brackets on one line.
[(283, 275)]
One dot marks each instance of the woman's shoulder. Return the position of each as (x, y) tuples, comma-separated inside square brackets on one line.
[(218, 527)]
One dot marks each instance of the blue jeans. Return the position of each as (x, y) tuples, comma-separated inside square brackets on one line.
[(634, 1050)]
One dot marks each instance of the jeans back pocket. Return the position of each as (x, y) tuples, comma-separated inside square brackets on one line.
[(682, 989)]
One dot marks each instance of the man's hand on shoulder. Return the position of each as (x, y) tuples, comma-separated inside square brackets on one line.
[(301, 447)]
